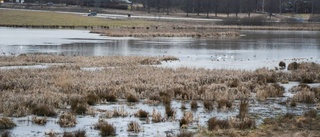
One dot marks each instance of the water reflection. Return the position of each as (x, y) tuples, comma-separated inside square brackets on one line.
[(255, 49)]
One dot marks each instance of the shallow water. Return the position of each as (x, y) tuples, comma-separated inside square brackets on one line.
[(254, 49)]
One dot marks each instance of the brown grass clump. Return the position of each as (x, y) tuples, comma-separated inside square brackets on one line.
[(233, 83), (208, 105), (185, 134), (92, 99), (293, 66), (44, 110), (105, 128), (78, 133), (39, 121), (156, 116), (306, 96), (134, 127), (270, 90), (214, 123), (224, 103), (108, 97), (67, 120), (194, 104), (155, 98), (6, 123), (169, 111), (244, 107), (141, 114), (78, 107), (132, 98)]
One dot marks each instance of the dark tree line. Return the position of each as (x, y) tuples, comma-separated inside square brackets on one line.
[(231, 6), (205, 6)]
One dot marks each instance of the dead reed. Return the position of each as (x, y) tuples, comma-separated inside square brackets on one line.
[(6, 123), (67, 120), (134, 127), (141, 114), (39, 121), (105, 128)]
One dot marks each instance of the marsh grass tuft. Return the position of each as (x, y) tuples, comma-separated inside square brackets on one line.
[(6, 123), (214, 123), (92, 99), (77, 133), (44, 110), (194, 104), (132, 98), (208, 105), (134, 127), (109, 97), (224, 103), (141, 114), (67, 120), (105, 128), (39, 121)]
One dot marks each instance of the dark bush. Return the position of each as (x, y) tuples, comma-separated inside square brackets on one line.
[(132, 98), (282, 65), (43, 110), (194, 104), (208, 105), (214, 123)]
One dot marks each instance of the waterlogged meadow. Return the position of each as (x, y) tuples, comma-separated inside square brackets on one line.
[(129, 95)]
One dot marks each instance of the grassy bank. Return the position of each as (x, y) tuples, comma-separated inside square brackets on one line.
[(39, 18)]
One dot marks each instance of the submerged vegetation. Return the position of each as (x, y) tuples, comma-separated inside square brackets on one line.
[(66, 85)]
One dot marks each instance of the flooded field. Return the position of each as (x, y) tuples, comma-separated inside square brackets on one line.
[(164, 87), (254, 49)]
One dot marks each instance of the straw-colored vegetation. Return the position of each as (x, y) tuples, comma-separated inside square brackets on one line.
[(40, 18), (44, 91)]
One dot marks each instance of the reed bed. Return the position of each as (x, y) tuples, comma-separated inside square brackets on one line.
[(60, 86), (165, 33)]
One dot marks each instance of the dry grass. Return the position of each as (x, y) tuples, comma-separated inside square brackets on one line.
[(141, 114), (67, 120), (6, 123), (134, 127), (78, 133), (105, 128), (39, 18), (39, 121)]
